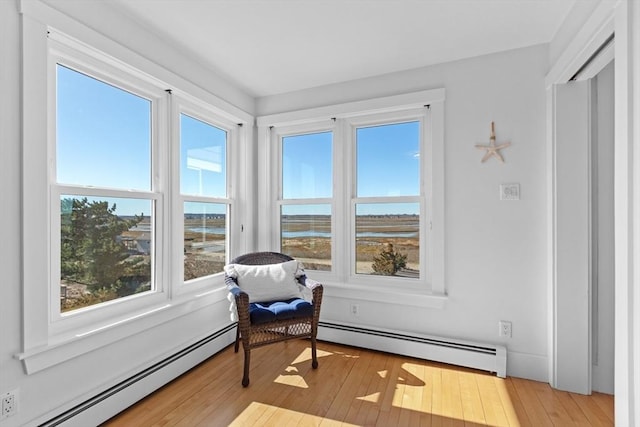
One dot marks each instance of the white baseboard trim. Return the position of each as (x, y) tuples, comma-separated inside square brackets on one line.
[(529, 366), (112, 401)]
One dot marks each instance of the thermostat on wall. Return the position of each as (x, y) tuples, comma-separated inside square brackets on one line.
[(509, 191)]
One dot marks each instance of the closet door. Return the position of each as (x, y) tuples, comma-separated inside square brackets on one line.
[(572, 245)]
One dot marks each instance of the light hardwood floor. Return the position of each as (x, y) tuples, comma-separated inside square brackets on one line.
[(356, 387)]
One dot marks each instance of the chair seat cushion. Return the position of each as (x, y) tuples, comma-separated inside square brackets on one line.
[(264, 312)]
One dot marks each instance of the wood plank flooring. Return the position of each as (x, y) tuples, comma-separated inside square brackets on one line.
[(355, 387)]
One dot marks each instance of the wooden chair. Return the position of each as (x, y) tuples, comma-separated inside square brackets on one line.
[(267, 322)]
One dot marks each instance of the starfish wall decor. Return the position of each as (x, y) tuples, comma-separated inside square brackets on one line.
[(493, 150)]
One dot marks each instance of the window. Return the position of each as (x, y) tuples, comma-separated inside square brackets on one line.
[(364, 192), (129, 193), (305, 210), (103, 191), (139, 195), (388, 199), (113, 188), (205, 204)]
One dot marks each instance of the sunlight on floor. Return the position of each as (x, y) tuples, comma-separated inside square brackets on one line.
[(257, 414), (373, 398), (291, 378), (460, 400), (306, 355), (358, 387), (447, 394)]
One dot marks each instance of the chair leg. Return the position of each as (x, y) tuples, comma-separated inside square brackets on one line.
[(237, 338), (314, 356), (245, 378)]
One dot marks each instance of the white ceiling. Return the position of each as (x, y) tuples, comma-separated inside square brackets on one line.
[(268, 47)]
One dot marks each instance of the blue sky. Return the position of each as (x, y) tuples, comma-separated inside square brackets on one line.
[(104, 140), (101, 129), (306, 166), (202, 158), (387, 159)]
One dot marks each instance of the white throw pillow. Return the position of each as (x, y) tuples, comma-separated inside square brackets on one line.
[(267, 282)]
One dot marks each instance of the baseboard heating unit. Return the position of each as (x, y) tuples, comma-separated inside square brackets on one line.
[(108, 403), (486, 357)]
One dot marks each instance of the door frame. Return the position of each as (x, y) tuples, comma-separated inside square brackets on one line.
[(621, 18)]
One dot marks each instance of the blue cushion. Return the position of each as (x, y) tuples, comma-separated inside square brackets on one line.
[(263, 312)]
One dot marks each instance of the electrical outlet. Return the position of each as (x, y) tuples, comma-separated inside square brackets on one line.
[(9, 404), (504, 329), (355, 309)]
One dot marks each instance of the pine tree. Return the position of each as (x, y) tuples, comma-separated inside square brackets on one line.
[(91, 251)]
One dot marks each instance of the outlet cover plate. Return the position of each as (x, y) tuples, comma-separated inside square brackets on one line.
[(504, 329), (9, 404)]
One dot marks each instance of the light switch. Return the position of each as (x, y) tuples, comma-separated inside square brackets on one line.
[(509, 191)]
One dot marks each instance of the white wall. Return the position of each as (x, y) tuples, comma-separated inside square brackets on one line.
[(495, 250), (10, 337)]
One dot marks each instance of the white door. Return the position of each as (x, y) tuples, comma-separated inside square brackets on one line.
[(572, 243), (603, 231)]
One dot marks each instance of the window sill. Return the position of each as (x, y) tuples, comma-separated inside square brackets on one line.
[(40, 358), (398, 296)]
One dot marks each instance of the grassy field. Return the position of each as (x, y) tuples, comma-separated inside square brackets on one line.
[(310, 242), (374, 232), (204, 253)]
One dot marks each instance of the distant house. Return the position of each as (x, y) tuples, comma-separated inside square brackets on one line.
[(137, 245)]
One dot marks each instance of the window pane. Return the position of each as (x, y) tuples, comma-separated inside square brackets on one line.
[(306, 234), (307, 166), (106, 249), (205, 231), (103, 134), (203, 154), (388, 239), (388, 160)]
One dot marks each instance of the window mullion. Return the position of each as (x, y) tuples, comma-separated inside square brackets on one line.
[(323, 200), (106, 192)]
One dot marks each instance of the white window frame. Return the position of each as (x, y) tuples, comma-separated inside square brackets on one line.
[(183, 104), (68, 53), (428, 107), (422, 116), (47, 341), (278, 134)]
